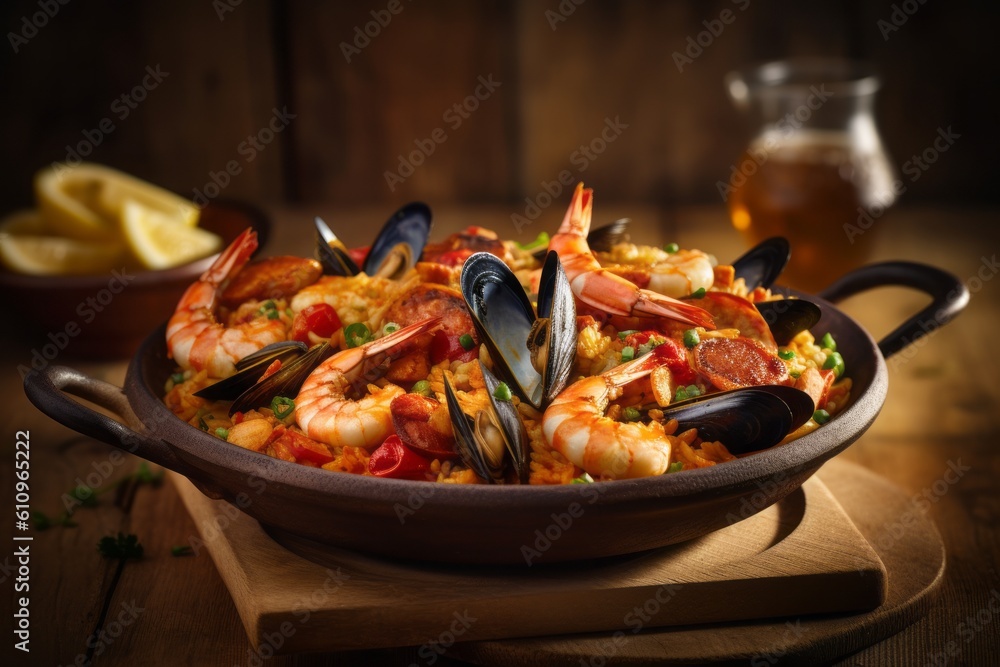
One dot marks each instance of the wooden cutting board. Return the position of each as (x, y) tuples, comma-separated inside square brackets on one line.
[(802, 556)]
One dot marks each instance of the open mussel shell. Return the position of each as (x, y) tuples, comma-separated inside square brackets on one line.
[(786, 318), (761, 265), (532, 354), (398, 246), (744, 420), (249, 369), (332, 254), (285, 382), (553, 339), (486, 439)]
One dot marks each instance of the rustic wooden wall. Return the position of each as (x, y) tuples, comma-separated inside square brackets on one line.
[(562, 75)]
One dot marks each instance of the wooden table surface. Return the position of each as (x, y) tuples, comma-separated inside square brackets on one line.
[(941, 414)]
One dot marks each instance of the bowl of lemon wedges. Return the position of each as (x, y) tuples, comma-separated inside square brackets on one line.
[(103, 258)]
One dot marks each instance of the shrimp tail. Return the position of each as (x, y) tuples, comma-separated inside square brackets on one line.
[(630, 371), (232, 259), (653, 303), (579, 213)]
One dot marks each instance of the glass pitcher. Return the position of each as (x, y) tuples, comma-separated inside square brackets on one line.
[(815, 170)]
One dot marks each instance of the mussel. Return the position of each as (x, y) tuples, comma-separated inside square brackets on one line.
[(744, 420), (245, 388), (486, 439), (393, 252), (761, 265), (250, 368), (533, 354), (787, 317), (332, 253)]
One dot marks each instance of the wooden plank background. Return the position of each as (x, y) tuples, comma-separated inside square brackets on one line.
[(560, 77)]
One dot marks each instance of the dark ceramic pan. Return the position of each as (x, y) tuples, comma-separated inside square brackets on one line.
[(304, 507)]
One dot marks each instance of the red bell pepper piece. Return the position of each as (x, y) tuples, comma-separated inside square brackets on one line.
[(396, 460)]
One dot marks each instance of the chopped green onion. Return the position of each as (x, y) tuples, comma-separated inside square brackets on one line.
[(541, 240), (222, 433), (821, 416), (181, 551), (466, 341), (177, 378), (671, 248), (631, 414), (676, 466), (698, 293), (828, 343), (422, 387), (389, 327), (270, 304), (202, 424), (622, 335), (357, 334), (282, 406), (786, 354), (502, 392), (836, 362), (273, 314), (795, 374), (585, 478), (628, 353), (691, 338)]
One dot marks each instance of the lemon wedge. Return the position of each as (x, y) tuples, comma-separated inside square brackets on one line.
[(56, 255), (160, 241), (86, 201)]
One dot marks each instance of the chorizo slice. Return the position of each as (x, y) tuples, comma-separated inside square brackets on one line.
[(731, 363)]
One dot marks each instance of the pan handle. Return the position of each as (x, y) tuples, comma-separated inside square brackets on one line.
[(949, 296), (49, 390)]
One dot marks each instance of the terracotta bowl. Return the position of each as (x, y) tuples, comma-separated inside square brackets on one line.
[(94, 316), (306, 507)]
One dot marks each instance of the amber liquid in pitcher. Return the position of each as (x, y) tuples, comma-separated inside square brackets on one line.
[(814, 188)]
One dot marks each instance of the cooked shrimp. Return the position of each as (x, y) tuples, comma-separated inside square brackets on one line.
[(576, 426), (323, 408), (600, 288), (197, 340), (673, 274)]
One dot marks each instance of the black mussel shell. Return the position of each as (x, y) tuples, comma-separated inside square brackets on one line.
[(799, 402), (511, 426), (332, 254), (285, 382), (398, 246), (503, 317), (744, 420), (787, 317), (249, 369), (762, 264), (466, 442), (557, 306)]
